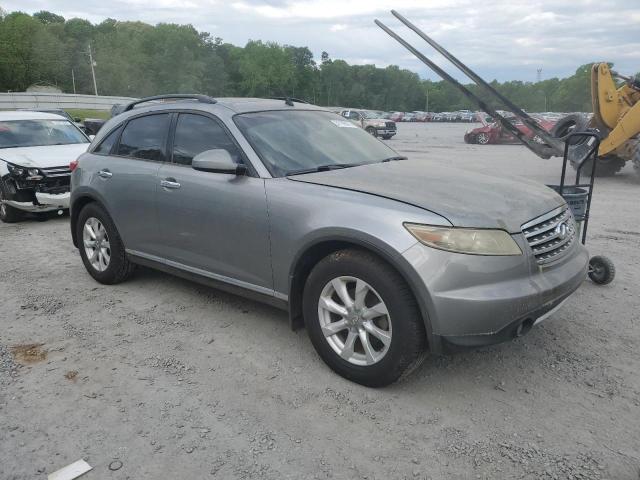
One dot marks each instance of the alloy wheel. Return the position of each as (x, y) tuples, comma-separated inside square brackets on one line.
[(96, 244), (355, 320), (482, 138)]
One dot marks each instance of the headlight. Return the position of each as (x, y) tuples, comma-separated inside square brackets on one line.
[(465, 240), (24, 173)]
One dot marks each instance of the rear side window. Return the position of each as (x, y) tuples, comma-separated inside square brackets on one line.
[(197, 133), (107, 143), (144, 137)]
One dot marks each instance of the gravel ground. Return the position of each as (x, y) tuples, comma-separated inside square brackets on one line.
[(162, 378)]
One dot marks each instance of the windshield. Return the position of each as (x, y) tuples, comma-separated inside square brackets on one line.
[(292, 141), (371, 115), (33, 133)]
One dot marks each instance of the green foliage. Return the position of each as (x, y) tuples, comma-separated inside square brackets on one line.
[(137, 59)]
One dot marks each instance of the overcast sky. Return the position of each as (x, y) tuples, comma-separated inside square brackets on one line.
[(507, 40)]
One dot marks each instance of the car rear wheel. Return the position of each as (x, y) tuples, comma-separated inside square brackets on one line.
[(101, 248), (8, 214), (482, 138), (362, 318), (372, 131)]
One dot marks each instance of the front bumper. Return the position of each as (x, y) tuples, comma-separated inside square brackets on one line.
[(46, 202), (475, 300), (385, 131)]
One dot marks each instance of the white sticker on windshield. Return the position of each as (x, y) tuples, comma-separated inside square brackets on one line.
[(343, 124)]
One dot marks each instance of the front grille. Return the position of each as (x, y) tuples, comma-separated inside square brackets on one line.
[(391, 125), (53, 172), (548, 238)]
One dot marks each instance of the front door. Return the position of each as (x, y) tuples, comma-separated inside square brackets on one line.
[(212, 222)]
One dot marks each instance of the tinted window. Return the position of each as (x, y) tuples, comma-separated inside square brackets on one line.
[(107, 143), (195, 134), (144, 137)]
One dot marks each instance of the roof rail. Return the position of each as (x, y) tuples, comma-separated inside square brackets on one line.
[(175, 96), (289, 99)]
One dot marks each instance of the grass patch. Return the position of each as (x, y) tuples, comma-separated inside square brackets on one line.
[(82, 114)]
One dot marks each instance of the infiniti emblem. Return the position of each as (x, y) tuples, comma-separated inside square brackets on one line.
[(561, 230)]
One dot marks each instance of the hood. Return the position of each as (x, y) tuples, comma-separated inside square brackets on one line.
[(466, 199), (45, 156)]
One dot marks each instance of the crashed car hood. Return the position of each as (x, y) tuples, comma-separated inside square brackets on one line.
[(466, 199), (45, 156)]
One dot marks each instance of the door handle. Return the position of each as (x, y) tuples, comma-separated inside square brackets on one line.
[(105, 173), (169, 183)]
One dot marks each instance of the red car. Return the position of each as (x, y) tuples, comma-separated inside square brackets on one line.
[(493, 132)]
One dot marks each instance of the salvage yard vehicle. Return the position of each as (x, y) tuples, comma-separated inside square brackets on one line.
[(35, 151), (615, 118), (377, 255), (372, 122), (494, 132)]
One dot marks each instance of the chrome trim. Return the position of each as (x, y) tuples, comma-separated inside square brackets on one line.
[(542, 218)]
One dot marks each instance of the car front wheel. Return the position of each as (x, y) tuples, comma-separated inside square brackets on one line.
[(8, 214), (362, 318), (101, 247)]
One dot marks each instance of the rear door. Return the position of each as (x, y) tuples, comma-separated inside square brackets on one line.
[(213, 223), (127, 179)]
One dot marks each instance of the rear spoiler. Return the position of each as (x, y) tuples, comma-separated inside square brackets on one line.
[(550, 146)]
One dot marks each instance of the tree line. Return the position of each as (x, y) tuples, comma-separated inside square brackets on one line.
[(137, 59)]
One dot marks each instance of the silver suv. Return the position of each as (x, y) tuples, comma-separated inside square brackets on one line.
[(381, 257)]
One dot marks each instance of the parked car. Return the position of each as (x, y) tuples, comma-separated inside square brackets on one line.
[(494, 132), (286, 202), (371, 122), (436, 117), (35, 151), (466, 116), (396, 116)]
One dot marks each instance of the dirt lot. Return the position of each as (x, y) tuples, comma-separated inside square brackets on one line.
[(175, 380)]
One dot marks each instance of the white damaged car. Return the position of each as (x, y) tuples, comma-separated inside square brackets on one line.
[(35, 151)]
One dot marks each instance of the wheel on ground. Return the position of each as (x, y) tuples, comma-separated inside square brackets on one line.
[(636, 158), (387, 137), (101, 248), (601, 270), (606, 166), (482, 138), (362, 318), (372, 131), (8, 214)]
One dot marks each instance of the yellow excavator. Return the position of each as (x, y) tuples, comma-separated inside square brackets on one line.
[(616, 112)]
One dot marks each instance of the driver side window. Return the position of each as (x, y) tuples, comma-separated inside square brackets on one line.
[(197, 133)]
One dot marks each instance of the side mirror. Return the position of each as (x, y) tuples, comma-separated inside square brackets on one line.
[(217, 161), (77, 119)]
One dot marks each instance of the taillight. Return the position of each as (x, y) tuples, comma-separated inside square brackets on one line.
[(73, 165)]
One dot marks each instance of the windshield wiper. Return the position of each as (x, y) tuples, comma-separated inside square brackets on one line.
[(322, 168), (398, 157)]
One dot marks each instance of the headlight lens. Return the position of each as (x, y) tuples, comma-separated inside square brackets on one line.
[(465, 240)]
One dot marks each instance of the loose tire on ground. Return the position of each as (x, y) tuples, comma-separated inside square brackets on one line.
[(602, 271), (407, 346), (8, 214), (119, 267)]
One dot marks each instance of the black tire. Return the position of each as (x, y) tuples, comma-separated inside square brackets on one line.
[(119, 268), (372, 131), (602, 271), (607, 166), (387, 137), (407, 348), (8, 214), (566, 125), (636, 158)]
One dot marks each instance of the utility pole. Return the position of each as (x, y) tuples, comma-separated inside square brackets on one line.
[(539, 75), (73, 79), (426, 104), (93, 72)]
